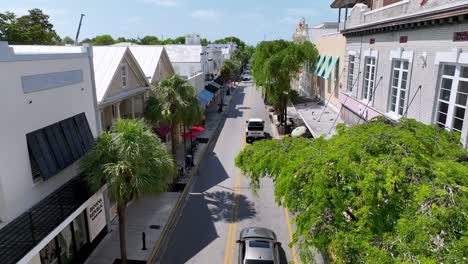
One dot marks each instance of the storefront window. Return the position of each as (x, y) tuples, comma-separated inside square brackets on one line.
[(65, 240), (49, 253), (79, 227)]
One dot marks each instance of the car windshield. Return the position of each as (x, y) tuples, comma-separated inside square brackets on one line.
[(258, 261), (255, 126), (259, 244)]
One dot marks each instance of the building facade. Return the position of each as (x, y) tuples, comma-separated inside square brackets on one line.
[(47, 212), (121, 85), (188, 60), (408, 59)]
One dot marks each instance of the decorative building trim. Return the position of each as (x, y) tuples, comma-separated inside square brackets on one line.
[(402, 54), (371, 53), (454, 56), (40, 82)]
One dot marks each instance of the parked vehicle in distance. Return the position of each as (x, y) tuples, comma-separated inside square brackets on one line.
[(254, 130), (258, 245), (246, 77)]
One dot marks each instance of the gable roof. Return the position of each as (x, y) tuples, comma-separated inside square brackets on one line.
[(184, 53), (106, 60), (149, 57)]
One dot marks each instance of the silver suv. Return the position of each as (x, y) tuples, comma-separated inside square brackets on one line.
[(258, 245)]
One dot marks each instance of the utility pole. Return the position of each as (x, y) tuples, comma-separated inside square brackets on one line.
[(79, 28)]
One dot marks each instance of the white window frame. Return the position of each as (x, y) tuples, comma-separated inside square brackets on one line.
[(452, 102), (368, 90), (124, 74), (350, 79), (399, 88)]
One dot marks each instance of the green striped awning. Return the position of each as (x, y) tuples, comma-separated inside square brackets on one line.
[(324, 66), (331, 66), (317, 66)]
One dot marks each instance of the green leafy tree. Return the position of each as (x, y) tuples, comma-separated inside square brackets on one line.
[(374, 193), (133, 162), (229, 70), (68, 40), (103, 40), (179, 40), (205, 42), (171, 101), (32, 29), (149, 40), (86, 40), (275, 64), (120, 40), (240, 44)]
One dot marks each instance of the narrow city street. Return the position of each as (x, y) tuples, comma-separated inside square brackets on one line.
[(208, 228)]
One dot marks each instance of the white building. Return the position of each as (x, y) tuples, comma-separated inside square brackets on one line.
[(188, 60), (215, 60), (48, 108), (226, 49), (192, 39), (407, 59)]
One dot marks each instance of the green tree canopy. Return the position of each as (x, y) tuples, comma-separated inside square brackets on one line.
[(103, 40), (229, 70), (373, 193), (33, 29), (133, 162), (149, 40), (240, 44), (68, 40), (275, 64)]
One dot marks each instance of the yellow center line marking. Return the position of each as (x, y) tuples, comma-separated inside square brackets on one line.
[(232, 229)]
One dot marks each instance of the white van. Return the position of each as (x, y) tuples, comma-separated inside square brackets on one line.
[(254, 130)]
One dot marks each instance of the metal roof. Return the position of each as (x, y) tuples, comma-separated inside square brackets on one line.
[(184, 53), (148, 57), (106, 61), (42, 49)]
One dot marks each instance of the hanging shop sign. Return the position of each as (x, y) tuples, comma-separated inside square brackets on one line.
[(96, 215), (460, 36)]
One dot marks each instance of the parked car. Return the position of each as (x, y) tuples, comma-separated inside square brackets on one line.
[(258, 245)]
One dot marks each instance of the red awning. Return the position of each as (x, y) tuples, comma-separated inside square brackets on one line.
[(198, 128)]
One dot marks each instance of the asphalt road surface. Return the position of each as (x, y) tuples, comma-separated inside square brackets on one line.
[(221, 202)]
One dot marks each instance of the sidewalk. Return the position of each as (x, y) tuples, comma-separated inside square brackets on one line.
[(152, 214)]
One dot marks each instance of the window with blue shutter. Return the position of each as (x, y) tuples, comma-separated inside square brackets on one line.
[(55, 147)]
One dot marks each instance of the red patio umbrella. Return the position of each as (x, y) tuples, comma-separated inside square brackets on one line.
[(198, 128), (190, 135)]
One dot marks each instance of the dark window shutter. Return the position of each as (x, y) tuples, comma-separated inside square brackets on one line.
[(54, 146), (69, 130), (84, 130), (41, 151)]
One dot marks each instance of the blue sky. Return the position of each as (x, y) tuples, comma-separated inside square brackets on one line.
[(251, 20)]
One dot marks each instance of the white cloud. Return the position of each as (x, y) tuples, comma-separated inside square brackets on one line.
[(163, 2), (207, 14)]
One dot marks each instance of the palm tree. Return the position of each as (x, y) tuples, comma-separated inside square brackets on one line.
[(133, 162), (192, 115), (168, 102)]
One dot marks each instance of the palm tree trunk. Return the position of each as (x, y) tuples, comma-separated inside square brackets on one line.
[(121, 210), (173, 138)]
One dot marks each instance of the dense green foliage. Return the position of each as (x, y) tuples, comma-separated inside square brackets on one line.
[(373, 193), (68, 41), (240, 44), (133, 162), (275, 64), (146, 40), (229, 70), (31, 29), (173, 101)]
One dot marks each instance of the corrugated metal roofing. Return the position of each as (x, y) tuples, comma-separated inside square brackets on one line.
[(40, 49), (184, 53), (148, 57), (106, 60)]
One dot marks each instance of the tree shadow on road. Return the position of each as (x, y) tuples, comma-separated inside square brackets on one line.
[(220, 205)]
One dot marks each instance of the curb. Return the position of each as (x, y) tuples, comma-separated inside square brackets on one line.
[(176, 213)]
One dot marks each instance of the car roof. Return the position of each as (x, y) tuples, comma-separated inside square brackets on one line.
[(255, 120), (259, 253), (257, 232)]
